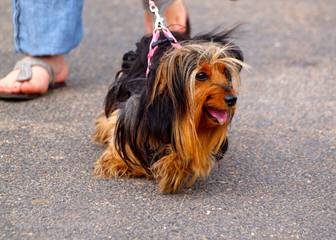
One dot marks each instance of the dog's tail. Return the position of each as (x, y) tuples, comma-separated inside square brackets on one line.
[(104, 128)]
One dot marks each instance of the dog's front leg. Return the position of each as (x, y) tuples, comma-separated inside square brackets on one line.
[(171, 172)]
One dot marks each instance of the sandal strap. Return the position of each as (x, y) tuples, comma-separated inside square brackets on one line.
[(25, 66)]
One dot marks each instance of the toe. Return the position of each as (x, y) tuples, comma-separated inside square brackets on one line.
[(16, 87), (7, 83), (39, 82)]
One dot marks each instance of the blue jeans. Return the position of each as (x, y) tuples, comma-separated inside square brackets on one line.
[(50, 27), (47, 27)]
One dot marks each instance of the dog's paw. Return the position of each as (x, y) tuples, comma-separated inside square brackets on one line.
[(108, 166)]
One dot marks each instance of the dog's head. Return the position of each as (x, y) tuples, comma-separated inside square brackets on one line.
[(215, 81), (199, 82)]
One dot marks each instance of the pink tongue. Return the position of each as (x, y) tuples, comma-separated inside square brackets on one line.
[(220, 115)]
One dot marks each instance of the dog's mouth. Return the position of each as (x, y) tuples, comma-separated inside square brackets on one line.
[(218, 115)]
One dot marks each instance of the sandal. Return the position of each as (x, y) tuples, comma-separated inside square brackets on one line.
[(25, 66)]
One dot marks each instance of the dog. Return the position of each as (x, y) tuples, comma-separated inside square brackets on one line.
[(171, 125)]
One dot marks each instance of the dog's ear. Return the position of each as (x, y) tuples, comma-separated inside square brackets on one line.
[(236, 53), (224, 38), (168, 104), (160, 115)]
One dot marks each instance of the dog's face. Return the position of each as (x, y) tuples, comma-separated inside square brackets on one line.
[(215, 95), (197, 82)]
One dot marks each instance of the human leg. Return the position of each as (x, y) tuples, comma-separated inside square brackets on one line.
[(175, 13), (45, 30)]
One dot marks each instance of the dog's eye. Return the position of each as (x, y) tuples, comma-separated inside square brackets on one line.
[(201, 76), (227, 74)]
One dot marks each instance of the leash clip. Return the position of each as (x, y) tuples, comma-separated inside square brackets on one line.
[(159, 21)]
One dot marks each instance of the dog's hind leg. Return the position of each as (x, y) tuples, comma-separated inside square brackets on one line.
[(110, 164), (105, 128)]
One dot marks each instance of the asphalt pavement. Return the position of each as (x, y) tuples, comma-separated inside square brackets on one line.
[(277, 180)]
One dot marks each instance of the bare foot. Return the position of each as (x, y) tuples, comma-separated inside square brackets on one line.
[(40, 80), (175, 16)]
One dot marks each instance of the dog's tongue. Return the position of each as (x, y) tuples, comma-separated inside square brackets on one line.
[(220, 115)]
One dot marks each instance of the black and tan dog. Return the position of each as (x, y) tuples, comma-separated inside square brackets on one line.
[(171, 125)]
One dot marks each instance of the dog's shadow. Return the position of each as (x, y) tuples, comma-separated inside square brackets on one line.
[(224, 177), (233, 174)]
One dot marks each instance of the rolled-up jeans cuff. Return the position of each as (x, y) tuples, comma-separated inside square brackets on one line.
[(161, 4), (47, 27)]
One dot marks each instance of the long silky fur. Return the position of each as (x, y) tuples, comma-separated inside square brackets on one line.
[(156, 122)]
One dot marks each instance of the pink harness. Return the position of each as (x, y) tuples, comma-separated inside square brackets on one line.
[(158, 28)]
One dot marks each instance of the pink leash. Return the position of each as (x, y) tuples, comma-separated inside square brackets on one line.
[(158, 28)]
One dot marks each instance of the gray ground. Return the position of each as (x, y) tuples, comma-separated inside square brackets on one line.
[(277, 180)]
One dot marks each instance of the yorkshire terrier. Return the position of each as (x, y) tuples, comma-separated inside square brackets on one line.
[(172, 124)]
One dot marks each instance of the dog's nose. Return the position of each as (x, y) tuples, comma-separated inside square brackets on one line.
[(230, 100)]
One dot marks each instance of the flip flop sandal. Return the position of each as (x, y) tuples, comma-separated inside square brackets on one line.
[(25, 66)]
